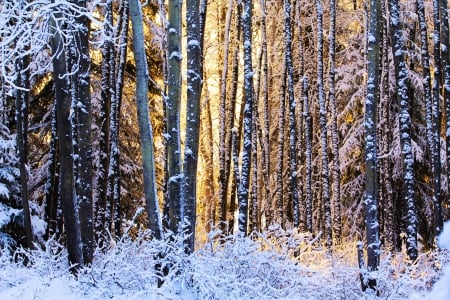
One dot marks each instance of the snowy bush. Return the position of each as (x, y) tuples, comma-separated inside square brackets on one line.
[(10, 215), (441, 289), (262, 266)]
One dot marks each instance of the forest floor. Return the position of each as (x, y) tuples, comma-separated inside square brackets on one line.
[(279, 265)]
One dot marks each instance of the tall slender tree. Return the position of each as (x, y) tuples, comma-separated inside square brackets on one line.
[(173, 115), (308, 143), (116, 103), (107, 95), (22, 100), (370, 121), (194, 92), (323, 129), (145, 128), (436, 110), (65, 152), (292, 116), (335, 169), (247, 121), (401, 74), (224, 131)]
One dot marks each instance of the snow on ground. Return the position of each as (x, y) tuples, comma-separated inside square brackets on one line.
[(441, 290), (277, 265)]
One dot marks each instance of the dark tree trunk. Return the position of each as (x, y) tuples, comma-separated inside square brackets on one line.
[(65, 154), (401, 73), (22, 100), (438, 221), (308, 143), (81, 101), (194, 92), (243, 191), (370, 121), (292, 117), (224, 130), (335, 169), (323, 130), (114, 174), (51, 184), (107, 96)]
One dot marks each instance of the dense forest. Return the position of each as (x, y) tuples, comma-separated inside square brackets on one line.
[(330, 118)]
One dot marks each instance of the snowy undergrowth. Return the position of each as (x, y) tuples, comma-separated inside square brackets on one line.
[(276, 265)]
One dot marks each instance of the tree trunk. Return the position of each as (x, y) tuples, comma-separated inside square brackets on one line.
[(292, 116), (107, 96), (174, 195), (371, 102), (194, 92), (79, 66), (22, 100), (51, 185), (268, 211), (247, 121), (401, 73), (114, 173), (145, 129), (224, 131), (335, 170), (323, 129), (438, 221), (65, 153), (308, 142)]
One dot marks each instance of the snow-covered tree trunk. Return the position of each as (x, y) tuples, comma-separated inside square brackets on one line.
[(300, 124), (292, 117), (22, 101), (436, 111), (114, 167), (279, 204), (194, 92), (107, 95), (175, 201), (235, 145), (247, 120), (335, 169), (224, 131), (254, 207), (308, 143), (145, 129), (65, 153), (401, 73), (371, 101), (268, 212), (385, 137), (445, 55), (323, 129), (434, 148)]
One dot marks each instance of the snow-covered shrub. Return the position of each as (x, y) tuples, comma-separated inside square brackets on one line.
[(10, 214), (441, 289)]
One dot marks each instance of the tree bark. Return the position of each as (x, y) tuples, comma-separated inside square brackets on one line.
[(323, 129), (145, 129), (370, 121), (175, 201), (194, 93), (247, 121)]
